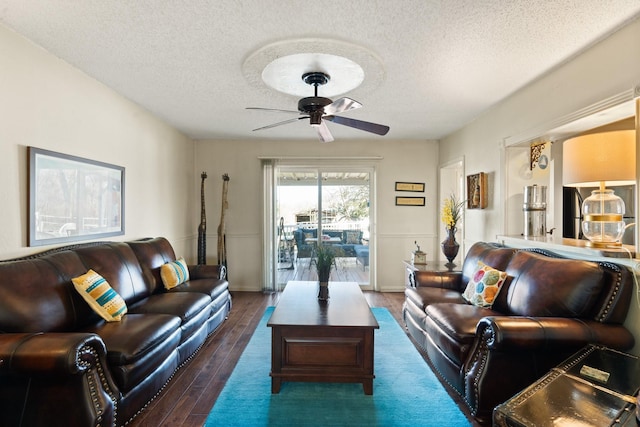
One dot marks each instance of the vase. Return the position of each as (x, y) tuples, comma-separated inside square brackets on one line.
[(449, 245), (323, 291)]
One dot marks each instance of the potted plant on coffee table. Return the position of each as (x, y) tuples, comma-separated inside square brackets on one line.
[(325, 260)]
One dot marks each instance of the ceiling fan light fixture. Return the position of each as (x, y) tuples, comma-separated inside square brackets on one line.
[(316, 118)]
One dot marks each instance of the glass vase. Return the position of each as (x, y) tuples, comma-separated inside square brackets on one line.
[(323, 291)]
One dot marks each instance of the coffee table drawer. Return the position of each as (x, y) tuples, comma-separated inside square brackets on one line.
[(325, 352)]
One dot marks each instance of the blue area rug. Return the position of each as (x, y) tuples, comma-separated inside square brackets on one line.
[(405, 390)]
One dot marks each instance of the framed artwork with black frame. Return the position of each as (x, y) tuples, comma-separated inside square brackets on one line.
[(417, 187), (72, 198), (409, 201)]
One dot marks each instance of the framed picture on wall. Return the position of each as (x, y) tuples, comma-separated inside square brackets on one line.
[(409, 201), (477, 191), (410, 186), (72, 199)]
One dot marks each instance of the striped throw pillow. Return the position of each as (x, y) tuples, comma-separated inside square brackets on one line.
[(100, 296), (174, 273)]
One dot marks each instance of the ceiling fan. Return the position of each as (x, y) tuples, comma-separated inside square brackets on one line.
[(318, 109)]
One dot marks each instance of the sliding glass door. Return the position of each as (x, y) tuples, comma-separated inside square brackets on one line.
[(321, 205)]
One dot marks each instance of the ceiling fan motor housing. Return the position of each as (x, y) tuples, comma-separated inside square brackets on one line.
[(312, 104)]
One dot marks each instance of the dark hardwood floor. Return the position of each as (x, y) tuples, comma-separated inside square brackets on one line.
[(190, 395)]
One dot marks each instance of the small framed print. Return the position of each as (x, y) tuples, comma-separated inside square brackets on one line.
[(409, 201), (417, 187), (477, 191)]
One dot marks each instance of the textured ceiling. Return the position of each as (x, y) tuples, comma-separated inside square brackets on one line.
[(442, 63)]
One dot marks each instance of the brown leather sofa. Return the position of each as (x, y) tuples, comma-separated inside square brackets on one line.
[(548, 308), (61, 364)]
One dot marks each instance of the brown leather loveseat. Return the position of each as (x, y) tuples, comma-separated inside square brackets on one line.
[(547, 308), (61, 364)]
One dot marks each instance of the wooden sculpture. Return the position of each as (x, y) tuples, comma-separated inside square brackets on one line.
[(202, 228), (222, 249)]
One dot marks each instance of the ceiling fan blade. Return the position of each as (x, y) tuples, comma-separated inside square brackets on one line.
[(282, 123), (323, 132), (341, 105), (273, 110), (359, 124)]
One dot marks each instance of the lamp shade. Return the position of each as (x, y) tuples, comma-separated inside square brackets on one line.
[(609, 157), (595, 160)]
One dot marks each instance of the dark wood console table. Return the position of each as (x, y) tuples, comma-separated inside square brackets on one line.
[(436, 269), (315, 341)]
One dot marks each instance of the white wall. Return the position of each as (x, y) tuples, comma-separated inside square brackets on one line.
[(397, 227), (47, 103)]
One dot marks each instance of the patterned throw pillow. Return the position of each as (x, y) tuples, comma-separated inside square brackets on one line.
[(353, 237), (174, 273), (100, 296), (484, 285)]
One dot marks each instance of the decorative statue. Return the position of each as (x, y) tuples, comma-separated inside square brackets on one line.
[(417, 256), (222, 250), (202, 228)]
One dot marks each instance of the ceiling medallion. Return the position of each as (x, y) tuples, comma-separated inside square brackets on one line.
[(279, 66)]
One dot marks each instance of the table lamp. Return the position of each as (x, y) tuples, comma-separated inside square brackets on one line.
[(594, 160)]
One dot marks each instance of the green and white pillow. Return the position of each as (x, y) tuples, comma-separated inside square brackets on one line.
[(174, 273), (100, 296)]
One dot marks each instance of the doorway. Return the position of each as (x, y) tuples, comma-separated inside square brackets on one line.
[(452, 184), (321, 205)]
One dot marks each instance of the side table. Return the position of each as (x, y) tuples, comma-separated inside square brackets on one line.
[(596, 386), (435, 270)]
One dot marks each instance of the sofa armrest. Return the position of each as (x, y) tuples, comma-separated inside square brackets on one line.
[(520, 333), (50, 353), (530, 347), (41, 373), (206, 271), (439, 279)]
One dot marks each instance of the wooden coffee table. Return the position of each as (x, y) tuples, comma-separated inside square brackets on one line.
[(317, 341)]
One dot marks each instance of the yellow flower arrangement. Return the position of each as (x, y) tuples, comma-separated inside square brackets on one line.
[(451, 211)]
